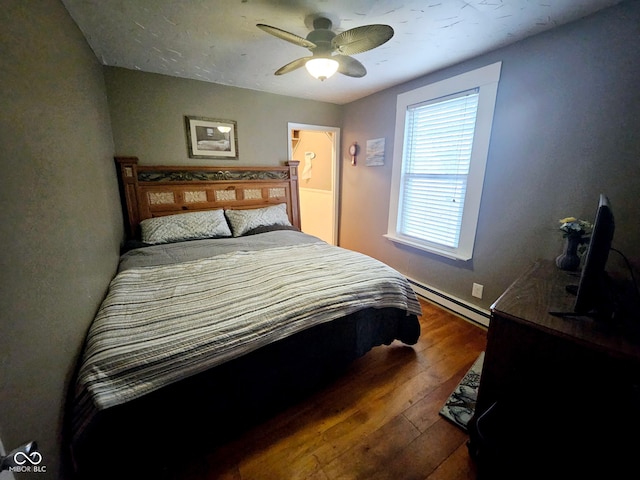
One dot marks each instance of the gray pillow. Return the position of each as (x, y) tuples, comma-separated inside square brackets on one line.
[(242, 221), (185, 226)]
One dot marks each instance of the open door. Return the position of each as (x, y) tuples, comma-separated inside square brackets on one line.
[(316, 148)]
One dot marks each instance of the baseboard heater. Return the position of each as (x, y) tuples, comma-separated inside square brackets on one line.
[(457, 306)]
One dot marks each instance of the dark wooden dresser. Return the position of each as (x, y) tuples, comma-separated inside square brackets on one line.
[(559, 396)]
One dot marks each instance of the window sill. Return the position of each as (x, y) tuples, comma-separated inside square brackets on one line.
[(443, 252)]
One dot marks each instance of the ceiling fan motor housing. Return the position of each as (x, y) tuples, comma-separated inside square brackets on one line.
[(321, 36)]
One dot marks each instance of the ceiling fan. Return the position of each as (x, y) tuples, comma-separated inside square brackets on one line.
[(330, 51)]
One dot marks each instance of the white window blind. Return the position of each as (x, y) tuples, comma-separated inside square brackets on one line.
[(439, 140)]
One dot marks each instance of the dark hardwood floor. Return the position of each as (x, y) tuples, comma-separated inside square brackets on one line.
[(378, 421)]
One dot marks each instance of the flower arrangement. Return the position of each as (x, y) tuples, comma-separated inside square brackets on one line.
[(576, 233), (572, 227)]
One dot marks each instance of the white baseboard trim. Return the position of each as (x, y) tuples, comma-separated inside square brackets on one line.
[(456, 305)]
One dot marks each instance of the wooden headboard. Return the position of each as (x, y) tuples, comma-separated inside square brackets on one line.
[(152, 191)]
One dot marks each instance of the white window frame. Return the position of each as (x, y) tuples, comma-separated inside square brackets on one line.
[(484, 79)]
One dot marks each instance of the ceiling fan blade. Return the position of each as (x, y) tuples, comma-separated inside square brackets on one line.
[(289, 37), (291, 66), (350, 66), (361, 39)]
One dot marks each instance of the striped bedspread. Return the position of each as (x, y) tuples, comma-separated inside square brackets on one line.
[(162, 323)]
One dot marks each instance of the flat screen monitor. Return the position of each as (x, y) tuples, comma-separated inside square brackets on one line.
[(593, 290)]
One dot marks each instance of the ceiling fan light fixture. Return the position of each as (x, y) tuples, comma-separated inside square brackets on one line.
[(332, 52), (321, 68)]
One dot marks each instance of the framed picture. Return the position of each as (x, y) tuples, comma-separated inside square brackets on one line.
[(375, 152), (211, 138)]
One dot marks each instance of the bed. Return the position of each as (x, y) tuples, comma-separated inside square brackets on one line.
[(221, 312)]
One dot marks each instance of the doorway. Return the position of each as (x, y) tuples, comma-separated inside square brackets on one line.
[(316, 148)]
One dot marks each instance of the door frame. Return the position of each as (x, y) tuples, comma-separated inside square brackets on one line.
[(335, 165)]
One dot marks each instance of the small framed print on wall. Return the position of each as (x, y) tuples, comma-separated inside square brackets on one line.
[(211, 138), (375, 152)]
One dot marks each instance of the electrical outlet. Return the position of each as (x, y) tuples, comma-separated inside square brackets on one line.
[(477, 289)]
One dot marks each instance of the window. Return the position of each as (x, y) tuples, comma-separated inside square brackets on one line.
[(440, 154)]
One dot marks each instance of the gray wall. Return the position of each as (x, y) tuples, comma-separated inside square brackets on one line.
[(148, 117), (565, 129), (60, 225)]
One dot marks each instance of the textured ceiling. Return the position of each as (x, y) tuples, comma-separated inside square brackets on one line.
[(218, 41)]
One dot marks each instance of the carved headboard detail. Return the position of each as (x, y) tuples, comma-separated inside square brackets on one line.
[(152, 191)]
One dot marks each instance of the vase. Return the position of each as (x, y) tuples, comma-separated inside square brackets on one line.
[(569, 259)]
